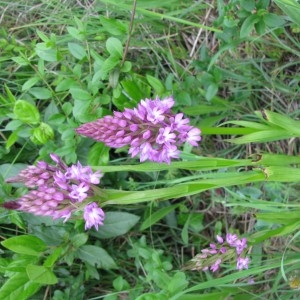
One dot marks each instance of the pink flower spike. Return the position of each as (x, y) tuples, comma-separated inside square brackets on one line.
[(151, 122)]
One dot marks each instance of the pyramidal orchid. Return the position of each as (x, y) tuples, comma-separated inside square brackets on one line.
[(58, 191), (151, 130), (228, 248)]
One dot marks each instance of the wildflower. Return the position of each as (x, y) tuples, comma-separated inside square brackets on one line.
[(219, 239), (241, 245), (242, 263), (151, 130), (229, 248), (216, 265), (231, 239), (59, 191), (93, 216)]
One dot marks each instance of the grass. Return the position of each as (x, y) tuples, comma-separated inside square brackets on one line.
[(75, 61)]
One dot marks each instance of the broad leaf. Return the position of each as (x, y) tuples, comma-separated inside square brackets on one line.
[(18, 287), (116, 224), (40, 274), (25, 244), (96, 256)]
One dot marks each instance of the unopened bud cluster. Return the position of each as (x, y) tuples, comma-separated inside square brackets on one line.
[(151, 130)]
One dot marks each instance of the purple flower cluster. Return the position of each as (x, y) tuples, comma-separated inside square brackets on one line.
[(228, 248), (58, 191), (150, 130)]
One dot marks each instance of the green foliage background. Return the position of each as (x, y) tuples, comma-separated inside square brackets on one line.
[(232, 67)]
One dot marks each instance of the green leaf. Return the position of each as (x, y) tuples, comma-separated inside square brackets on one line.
[(160, 16), (211, 91), (42, 36), (46, 53), (40, 274), (273, 20), (26, 112), (283, 121), (80, 109), (126, 67), (66, 84), (196, 222), (114, 78), (18, 287), (183, 98), (117, 197), (96, 256), (108, 65), (291, 8), (113, 26), (40, 93), (185, 232), (116, 224), (41, 67), (134, 89), (156, 84), (20, 60), (53, 257), (80, 94), (10, 95), (282, 173), (270, 233), (30, 83), (76, 33), (77, 50), (248, 25), (158, 215), (197, 110), (67, 108), (267, 159), (177, 283), (13, 137), (262, 137), (79, 239), (114, 47), (13, 125), (248, 5), (68, 134), (98, 155), (25, 244), (281, 217), (50, 110), (42, 134), (120, 284)]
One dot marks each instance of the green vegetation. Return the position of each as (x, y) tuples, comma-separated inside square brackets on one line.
[(232, 68)]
